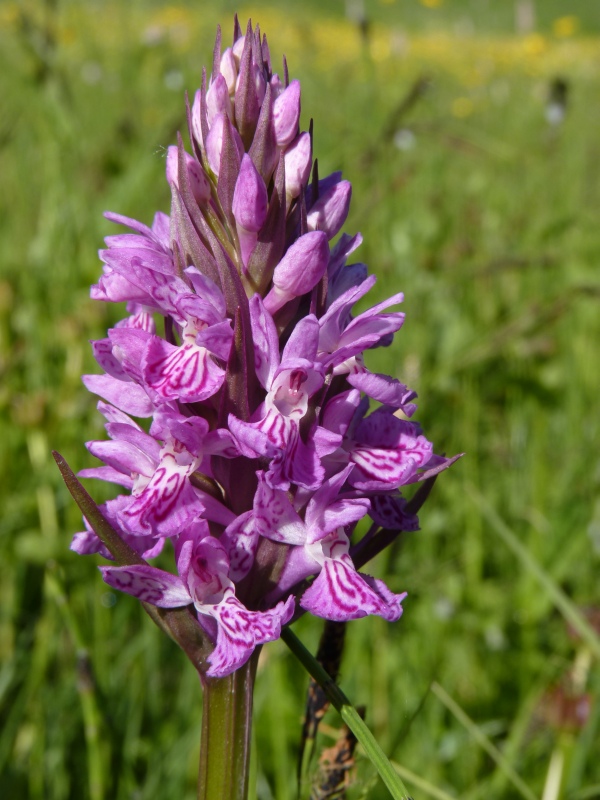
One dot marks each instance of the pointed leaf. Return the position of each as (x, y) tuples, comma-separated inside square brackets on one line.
[(229, 170), (217, 54), (246, 99), (185, 233), (271, 239), (263, 151)]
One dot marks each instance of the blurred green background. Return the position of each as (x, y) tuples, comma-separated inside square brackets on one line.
[(470, 131)]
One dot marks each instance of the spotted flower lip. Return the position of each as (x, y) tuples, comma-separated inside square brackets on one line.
[(236, 388), (203, 580)]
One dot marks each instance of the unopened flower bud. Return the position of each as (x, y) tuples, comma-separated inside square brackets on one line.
[(298, 161), (330, 211), (218, 100), (198, 180), (286, 113), (238, 49), (250, 202), (214, 142), (229, 69), (259, 82), (277, 86), (301, 268)]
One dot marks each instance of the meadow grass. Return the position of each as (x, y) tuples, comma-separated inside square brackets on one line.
[(485, 215)]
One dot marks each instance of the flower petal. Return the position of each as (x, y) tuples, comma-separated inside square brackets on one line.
[(185, 373), (148, 584), (239, 631), (340, 593)]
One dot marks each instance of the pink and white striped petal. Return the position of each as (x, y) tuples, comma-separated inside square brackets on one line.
[(148, 584), (185, 373), (339, 593), (381, 469), (239, 631), (166, 506)]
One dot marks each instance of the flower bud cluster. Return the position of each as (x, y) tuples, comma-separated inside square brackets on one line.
[(240, 348)]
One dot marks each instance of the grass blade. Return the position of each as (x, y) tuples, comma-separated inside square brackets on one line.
[(350, 715), (563, 603), (483, 741), (427, 788)]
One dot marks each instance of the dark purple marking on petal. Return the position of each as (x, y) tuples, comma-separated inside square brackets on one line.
[(339, 593), (148, 584), (185, 373)]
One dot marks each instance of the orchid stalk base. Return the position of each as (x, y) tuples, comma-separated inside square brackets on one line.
[(226, 734)]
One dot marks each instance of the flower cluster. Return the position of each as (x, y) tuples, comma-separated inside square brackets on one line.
[(240, 347)]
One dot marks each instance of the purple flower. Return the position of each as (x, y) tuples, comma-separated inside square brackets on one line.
[(203, 580), (254, 381)]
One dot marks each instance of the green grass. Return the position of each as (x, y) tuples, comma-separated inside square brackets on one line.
[(488, 223)]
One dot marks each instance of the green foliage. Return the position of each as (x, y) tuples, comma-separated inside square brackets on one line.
[(486, 217)]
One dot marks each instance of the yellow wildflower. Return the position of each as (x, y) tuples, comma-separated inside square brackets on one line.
[(534, 44), (563, 27)]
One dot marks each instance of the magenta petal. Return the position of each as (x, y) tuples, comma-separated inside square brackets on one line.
[(298, 161), (166, 506), (217, 99), (125, 395), (240, 540), (275, 517), (326, 442), (217, 339), (103, 353), (239, 631), (384, 389), (148, 584), (207, 290), (123, 432), (379, 469), (286, 113), (250, 439), (123, 456), (434, 466), (272, 431), (300, 269), (266, 341), (329, 213), (214, 142), (298, 463), (339, 593), (389, 512), (303, 341), (250, 197), (107, 474), (185, 373), (86, 543), (337, 515), (117, 289), (340, 410)]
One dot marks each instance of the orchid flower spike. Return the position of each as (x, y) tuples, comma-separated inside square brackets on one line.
[(254, 383)]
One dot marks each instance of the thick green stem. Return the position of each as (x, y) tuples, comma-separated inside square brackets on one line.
[(226, 734)]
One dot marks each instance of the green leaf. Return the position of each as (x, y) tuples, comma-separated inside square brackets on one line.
[(350, 716)]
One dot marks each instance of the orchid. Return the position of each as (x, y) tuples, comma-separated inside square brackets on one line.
[(240, 346)]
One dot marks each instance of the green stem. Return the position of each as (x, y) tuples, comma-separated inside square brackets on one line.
[(349, 714), (226, 734)]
